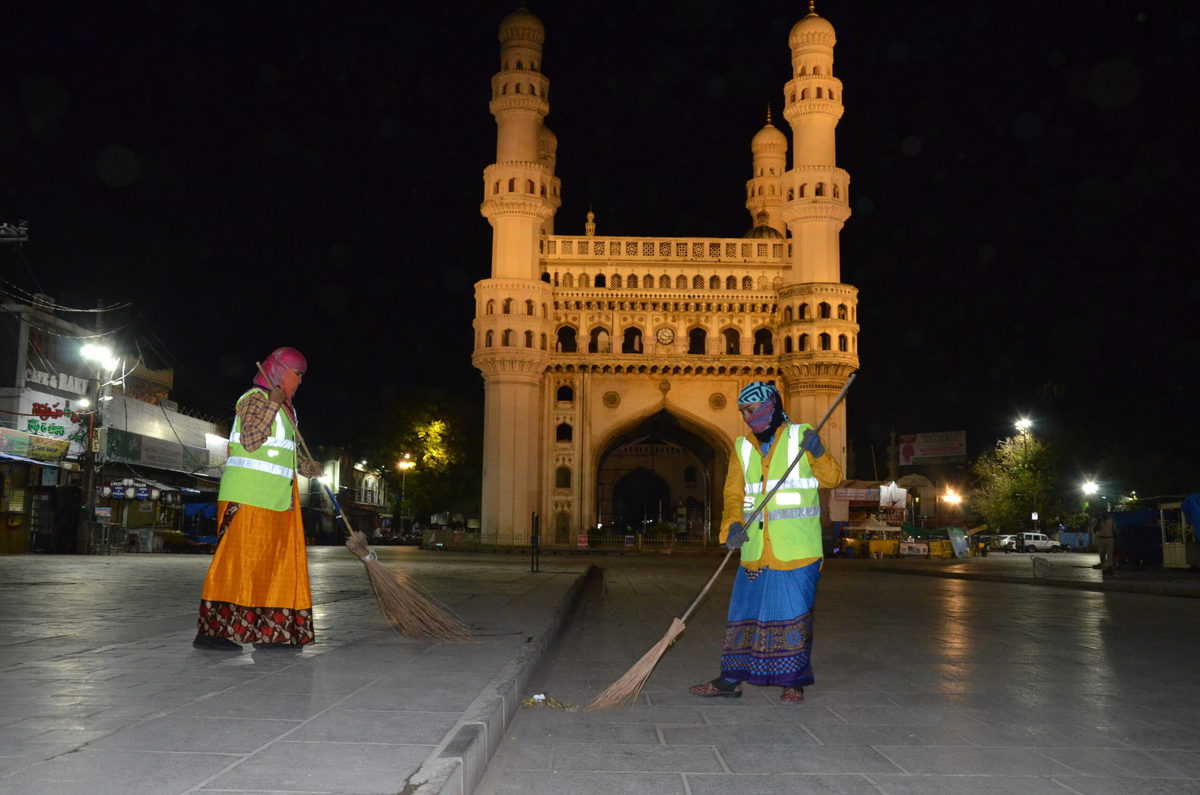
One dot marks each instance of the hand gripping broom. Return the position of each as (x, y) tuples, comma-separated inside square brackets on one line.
[(625, 690), (405, 607)]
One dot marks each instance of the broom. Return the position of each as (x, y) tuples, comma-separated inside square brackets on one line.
[(625, 690), (405, 607)]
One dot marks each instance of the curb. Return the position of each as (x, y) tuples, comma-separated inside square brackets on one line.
[(457, 766), (1152, 589)]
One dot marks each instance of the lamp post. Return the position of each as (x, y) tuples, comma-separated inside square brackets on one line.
[(102, 357), (404, 464)]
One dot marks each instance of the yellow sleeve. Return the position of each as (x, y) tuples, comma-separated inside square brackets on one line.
[(826, 469), (735, 491)]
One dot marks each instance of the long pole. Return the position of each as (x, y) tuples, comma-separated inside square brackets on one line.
[(87, 535)]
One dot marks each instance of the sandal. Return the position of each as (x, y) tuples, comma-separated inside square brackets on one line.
[(717, 688), (792, 695)]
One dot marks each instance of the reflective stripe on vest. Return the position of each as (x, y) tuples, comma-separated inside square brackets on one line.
[(791, 517), (262, 477), (793, 482), (261, 466), (272, 441)]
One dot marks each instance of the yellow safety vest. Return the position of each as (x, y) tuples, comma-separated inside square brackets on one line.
[(263, 477), (793, 515)]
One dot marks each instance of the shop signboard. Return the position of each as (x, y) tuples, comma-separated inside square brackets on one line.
[(27, 445), (50, 416), (932, 448), (133, 448), (582, 541), (104, 513)]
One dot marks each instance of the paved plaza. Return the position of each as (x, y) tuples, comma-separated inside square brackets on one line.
[(924, 685)]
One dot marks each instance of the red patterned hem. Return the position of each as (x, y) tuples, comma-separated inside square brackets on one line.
[(256, 624)]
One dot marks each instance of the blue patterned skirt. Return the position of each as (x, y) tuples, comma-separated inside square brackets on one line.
[(768, 640)]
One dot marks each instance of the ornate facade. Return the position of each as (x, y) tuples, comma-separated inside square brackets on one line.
[(612, 364)]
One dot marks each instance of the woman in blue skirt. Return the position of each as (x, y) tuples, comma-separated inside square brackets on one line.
[(768, 638)]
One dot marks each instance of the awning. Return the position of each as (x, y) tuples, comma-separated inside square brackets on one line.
[(29, 460)]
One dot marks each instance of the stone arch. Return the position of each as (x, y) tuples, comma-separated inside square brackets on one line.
[(567, 339), (701, 442), (681, 282)]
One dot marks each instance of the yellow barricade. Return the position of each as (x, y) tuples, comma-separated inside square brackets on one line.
[(940, 549)]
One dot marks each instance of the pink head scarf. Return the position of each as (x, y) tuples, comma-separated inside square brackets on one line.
[(281, 359)]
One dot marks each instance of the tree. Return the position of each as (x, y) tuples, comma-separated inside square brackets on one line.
[(441, 432), (1015, 479)]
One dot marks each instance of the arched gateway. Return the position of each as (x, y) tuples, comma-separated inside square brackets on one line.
[(659, 471), (610, 398)]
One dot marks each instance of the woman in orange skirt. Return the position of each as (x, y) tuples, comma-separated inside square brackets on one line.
[(257, 587)]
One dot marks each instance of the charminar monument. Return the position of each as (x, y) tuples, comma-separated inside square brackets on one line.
[(612, 364)]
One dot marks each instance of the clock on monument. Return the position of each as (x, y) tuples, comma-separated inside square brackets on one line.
[(665, 336)]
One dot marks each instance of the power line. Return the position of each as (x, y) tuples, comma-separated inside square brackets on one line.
[(42, 302)]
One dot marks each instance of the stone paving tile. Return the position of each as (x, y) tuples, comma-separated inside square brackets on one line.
[(783, 758), (522, 756), (780, 784), (534, 783), (967, 785), (888, 735), (645, 758), (197, 734), (566, 727), (947, 760), (345, 725), (1129, 786), (279, 706), (768, 715), (904, 716), (1186, 763), (325, 767), (113, 772), (1112, 762), (736, 734)]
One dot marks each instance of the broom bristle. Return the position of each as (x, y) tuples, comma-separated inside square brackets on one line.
[(410, 611), (625, 690)]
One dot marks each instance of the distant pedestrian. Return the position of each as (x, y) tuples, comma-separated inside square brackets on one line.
[(768, 637), (1106, 543), (257, 588)]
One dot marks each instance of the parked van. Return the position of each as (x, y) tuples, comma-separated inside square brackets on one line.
[(1031, 542)]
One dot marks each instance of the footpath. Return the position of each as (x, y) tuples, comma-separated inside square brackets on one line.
[(102, 692), (1061, 570)]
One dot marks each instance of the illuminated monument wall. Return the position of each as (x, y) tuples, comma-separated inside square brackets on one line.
[(611, 363)]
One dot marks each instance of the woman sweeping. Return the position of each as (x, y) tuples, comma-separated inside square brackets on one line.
[(257, 587), (768, 637)]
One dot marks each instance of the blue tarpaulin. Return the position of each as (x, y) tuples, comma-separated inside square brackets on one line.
[(1191, 511), (1073, 540)]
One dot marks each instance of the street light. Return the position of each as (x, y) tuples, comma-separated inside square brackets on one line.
[(105, 362), (951, 497), (1023, 424), (1090, 487), (404, 464)]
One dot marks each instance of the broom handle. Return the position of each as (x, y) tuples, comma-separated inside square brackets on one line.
[(337, 506), (758, 510), (295, 426)]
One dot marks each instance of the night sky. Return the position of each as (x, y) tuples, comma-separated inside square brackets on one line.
[(1022, 179)]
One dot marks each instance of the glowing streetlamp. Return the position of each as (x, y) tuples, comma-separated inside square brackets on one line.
[(951, 497), (404, 464), (1023, 425), (1090, 487), (101, 356)]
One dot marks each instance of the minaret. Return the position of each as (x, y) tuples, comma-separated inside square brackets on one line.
[(819, 313), (764, 189), (512, 323)]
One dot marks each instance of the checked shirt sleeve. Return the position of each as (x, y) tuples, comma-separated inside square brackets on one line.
[(257, 414)]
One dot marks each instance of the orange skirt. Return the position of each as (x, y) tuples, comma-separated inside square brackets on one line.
[(257, 587)]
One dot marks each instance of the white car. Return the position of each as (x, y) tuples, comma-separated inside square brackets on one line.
[(1030, 542)]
